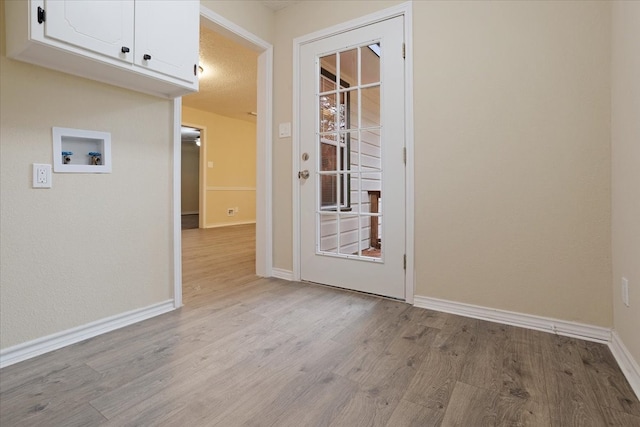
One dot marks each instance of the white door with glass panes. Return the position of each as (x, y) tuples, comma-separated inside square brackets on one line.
[(352, 170)]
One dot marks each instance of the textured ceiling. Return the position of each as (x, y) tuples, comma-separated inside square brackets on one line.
[(228, 85)]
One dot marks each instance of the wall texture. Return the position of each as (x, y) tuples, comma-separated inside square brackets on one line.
[(513, 156), (230, 144), (94, 245), (512, 152), (625, 141)]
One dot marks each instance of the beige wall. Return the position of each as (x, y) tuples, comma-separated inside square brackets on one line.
[(231, 145), (512, 151), (513, 156), (94, 245), (190, 178), (625, 141)]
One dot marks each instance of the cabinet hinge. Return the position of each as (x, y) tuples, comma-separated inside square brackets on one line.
[(195, 69), (404, 262), (403, 51), (404, 155), (42, 15)]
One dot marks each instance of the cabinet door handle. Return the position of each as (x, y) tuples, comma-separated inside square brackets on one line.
[(42, 15), (146, 57), (125, 49)]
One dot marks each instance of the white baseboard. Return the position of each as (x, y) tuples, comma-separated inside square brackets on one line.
[(538, 323), (625, 360), (228, 224), (39, 346), (280, 273)]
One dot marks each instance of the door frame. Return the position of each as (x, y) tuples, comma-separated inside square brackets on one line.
[(202, 164), (264, 223), (405, 10)]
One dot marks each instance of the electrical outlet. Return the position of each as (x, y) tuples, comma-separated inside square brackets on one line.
[(230, 212), (625, 291), (41, 175)]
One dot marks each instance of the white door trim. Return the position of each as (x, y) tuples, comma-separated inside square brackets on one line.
[(264, 223), (404, 9), (177, 203)]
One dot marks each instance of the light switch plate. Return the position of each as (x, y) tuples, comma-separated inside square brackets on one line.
[(284, 130)]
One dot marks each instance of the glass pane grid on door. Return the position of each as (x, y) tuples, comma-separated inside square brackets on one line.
[(349, 155)]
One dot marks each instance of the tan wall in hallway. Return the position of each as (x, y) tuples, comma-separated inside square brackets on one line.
[(94, 245), (231, 146), (512, 151), (625, 143)]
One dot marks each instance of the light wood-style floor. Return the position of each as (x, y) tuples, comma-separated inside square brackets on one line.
[(245, 351)]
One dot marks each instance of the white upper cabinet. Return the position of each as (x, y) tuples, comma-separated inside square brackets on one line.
[(163, 28), (104, 27), (148, 46)]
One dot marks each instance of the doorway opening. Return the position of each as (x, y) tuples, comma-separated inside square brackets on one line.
[(226, 107), (190, 177), (241, 197)]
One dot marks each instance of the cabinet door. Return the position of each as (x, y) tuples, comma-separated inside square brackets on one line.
[(167, 33), (104, 27)]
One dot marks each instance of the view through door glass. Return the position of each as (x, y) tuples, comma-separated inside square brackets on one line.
[(348, 147)]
